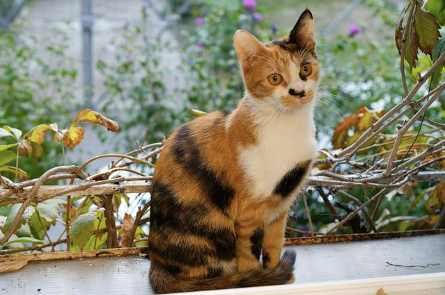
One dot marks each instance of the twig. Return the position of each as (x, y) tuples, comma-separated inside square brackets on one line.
[(30, 198), (135, 160), (402, 45), (308, 213), (107, 201), (405, 128), (33, 248), (365, 212), (422, 266), (441, 219), (370, 133)]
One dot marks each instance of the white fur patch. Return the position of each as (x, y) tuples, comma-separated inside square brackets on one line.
[(283, 141)]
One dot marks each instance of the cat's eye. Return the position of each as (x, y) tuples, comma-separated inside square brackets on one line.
[(305, 70), (275, 79)]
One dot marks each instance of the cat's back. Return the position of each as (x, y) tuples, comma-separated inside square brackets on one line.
[(191, 198)]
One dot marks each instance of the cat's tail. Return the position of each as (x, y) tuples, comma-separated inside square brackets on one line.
[(162, 281)]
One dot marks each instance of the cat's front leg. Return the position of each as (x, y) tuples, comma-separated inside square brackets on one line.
[(249, 238), (273, 241)]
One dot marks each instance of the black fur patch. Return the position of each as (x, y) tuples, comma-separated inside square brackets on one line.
[(174, 269), (257, 242), (214, 272), (164, 207), (213, 185), (291, 47), (167, 217), (266, 259), (225, 113), (291, 180)]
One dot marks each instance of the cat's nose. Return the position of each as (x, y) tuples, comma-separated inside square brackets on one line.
[(293, 92)]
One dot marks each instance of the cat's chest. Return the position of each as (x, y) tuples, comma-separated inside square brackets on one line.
[(281, 145)]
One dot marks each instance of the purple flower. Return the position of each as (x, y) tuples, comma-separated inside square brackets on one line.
[(274, 28), (257, 17), (249, 4), (129, 57), (200, 45), (199, 21), (354, 29)]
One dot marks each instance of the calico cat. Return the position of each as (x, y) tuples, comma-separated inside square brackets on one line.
[(225, 182)]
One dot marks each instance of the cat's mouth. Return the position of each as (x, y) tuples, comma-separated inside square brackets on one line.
[(294, 102)]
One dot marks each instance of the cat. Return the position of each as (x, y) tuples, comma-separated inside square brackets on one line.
[(224, 183)]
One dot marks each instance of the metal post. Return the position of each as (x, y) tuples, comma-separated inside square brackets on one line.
[(5, 20), (87, 51)]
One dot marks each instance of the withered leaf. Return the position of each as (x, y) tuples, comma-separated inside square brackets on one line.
[(73, 136), (127, 234), (93, 117)]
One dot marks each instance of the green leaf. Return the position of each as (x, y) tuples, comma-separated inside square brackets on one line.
[(97, 241), (6, 157), (427, 29), (6, 146), (438, 50), (38, 225), (437, 8), (15, 132), (82, 228), (10, 218), (24, 240), (24, 231), (13, 245), (50, 209), (22, 175)]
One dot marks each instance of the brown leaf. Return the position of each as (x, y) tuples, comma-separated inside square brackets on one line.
[(96, 118), (37, 134), (411, 46), (25, 147), (411, 43), (127, 234), (73, 136), (30, 148), (341, 132)]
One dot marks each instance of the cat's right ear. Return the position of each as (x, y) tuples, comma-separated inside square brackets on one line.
[(247, 46)]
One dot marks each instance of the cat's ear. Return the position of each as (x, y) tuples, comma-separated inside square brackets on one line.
[(247, 46), (303, 32)]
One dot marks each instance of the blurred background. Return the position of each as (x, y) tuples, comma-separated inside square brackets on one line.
[(144, 63)]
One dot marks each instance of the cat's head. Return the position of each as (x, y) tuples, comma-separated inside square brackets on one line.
[(283, 74)]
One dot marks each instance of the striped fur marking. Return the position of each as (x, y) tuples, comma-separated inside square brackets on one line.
[(291, 180), (257, 242), (189, 156), (167, 216)]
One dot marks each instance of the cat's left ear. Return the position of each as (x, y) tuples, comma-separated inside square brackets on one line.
[(247, 46), (303, 32)]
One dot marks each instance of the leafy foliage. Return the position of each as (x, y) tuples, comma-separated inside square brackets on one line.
[(354, 92), (82, 229), (35, 89), (31, 144)]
